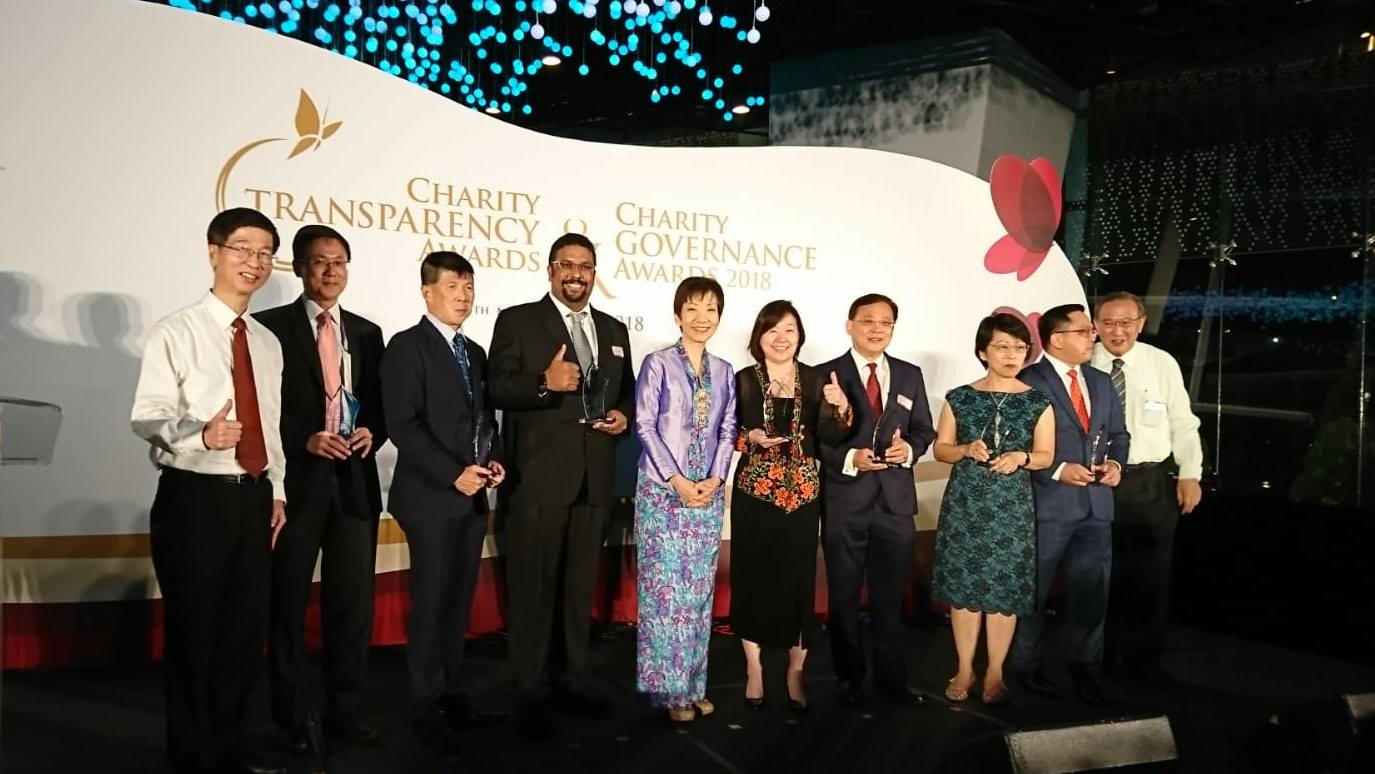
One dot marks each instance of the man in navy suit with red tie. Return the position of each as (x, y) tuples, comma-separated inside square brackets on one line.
[(871, 497), (1074, 505)]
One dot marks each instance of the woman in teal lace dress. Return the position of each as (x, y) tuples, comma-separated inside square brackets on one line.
[(994, 431)]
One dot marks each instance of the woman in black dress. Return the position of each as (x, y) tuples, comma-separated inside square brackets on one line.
[(783, 407)]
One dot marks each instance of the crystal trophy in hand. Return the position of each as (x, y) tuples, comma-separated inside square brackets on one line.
[(881, 441), (348, 413), (1099, 443), (594, 386), (992, 436), (483, 437), (777, 430)]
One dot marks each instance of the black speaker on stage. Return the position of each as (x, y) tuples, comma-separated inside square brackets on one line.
[(1334, 736), (1135, 745)]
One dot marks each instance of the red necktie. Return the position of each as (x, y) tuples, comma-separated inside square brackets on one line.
[(871, 389), (1076, 399), (251, 451)]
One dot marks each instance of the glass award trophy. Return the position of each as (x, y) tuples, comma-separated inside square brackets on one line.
[(1099, 444), (881, 441), (348, 413), (992, 436), (779, 427), (483, 438), (594, 386)]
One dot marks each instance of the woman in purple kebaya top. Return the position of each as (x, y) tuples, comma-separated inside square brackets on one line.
[(685, 419)]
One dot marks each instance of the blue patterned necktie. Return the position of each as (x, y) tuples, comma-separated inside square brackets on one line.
[(461, 355)]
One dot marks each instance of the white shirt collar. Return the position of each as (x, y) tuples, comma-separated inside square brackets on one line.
[(862, 362), (1102, 355), (564, 309), (220, 311), (1061, 367), (446, 330), (313, 311)]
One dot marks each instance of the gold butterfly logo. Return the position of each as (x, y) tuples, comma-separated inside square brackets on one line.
[(310, 127)]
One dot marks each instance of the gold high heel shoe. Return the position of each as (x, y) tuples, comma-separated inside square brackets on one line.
[(704, 706), (682, 714)]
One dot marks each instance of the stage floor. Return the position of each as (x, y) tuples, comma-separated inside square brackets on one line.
[(110, 721)]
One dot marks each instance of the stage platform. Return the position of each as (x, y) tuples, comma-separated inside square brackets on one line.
[(110, 721)]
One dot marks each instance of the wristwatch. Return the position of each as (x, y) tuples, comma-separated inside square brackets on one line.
[(542, 386)]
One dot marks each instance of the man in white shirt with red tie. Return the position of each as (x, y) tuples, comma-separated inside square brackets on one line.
[(1149, 501), (208, 401)]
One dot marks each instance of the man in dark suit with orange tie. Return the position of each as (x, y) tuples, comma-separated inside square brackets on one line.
[(434, 395), (868, 529), (1074, 505), (333, 497)]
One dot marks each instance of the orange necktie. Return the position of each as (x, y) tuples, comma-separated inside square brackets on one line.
[(1076, 399)]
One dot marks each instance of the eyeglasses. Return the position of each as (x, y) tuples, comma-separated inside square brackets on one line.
[(869, 322), (570, 267), (337, 264), (1015, 349), (1085, 332), (246, 253), (1123, 324)]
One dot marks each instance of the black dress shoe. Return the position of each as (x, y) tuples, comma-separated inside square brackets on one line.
[(252, 763), (433, 729), (533, 722), (1039, 683), (353, 731), (849, 693), (460, 714), (582, 702), (1086, 687), (900, 694), (293, 740)]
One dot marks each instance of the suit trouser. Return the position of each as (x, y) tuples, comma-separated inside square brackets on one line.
[(349, 546), (876, 545), (1146, 513), (445, 553), (210, 542), (1085, 548), (552, 556)]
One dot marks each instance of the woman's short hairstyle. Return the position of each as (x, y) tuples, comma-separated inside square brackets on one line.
[(1000, 323), (693, 287)]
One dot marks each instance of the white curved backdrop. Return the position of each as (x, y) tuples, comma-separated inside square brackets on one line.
[(128, 125)]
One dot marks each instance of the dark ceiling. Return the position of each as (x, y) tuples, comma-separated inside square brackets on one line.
[(1078, 40)]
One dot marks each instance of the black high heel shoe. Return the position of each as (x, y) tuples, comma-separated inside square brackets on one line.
[(755, 704)]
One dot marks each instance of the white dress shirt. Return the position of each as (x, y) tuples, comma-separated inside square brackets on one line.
[(884, 374), (587, 326), (185, 378), (1159, 416)]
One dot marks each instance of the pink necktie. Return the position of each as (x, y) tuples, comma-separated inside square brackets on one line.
[(328, 344)]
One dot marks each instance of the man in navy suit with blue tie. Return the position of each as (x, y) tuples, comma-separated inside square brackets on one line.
[(434, 398), (1074, 504), (868, 529)]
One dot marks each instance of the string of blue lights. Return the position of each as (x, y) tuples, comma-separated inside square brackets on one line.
[(502, 45)]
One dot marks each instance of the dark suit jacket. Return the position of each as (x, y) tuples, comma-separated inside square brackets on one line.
[(308, 484), (432, 422), (895, 487), (1060, 502), (550, 451)]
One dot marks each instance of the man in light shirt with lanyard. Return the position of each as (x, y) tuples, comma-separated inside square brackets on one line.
[(208, 401), (1148, 503)]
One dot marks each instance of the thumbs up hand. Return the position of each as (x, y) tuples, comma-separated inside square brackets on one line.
[(561, 375), (835, 396), (221, 432)]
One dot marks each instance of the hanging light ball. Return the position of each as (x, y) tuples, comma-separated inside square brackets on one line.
[(550, 6), (537, 31), (704, 18), (762, 13), (753, 35)]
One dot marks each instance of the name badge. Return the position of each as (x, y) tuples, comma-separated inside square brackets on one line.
[(1154, 405), (617, 351), (905, 402)]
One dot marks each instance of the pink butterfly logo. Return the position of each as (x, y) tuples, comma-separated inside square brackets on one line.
[(1028, 201), (1032, 321)]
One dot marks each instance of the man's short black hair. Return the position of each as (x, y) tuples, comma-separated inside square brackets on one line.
[(231, 220), (443, 260), (305, 237), (873, 298), (1056, 317)]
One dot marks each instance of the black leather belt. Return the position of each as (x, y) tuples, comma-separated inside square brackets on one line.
[(1144, 466), (237, 479)]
